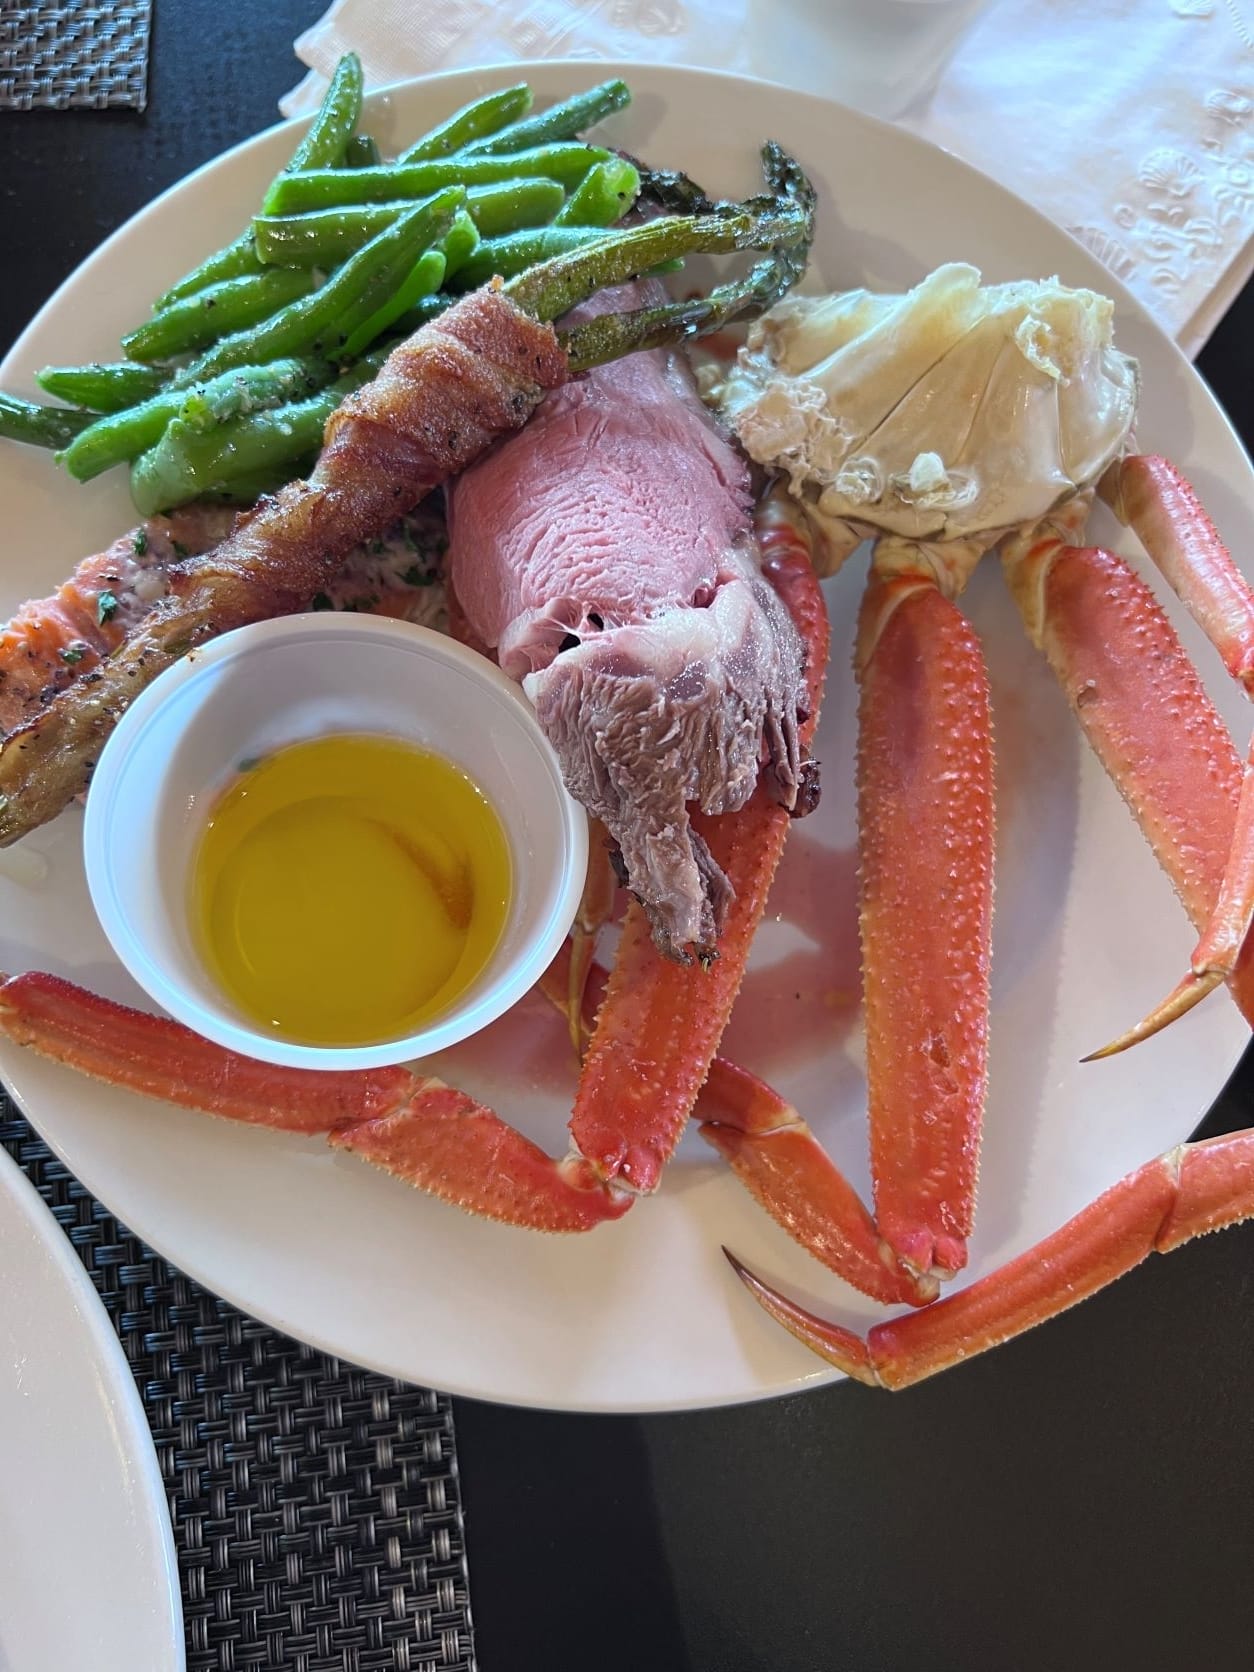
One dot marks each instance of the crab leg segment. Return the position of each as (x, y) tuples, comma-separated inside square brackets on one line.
[(417, 1127), (1151, 498), (1145, 712), (925, 811), (1155, 501), (660, 1023), (446, 1143), (777, 1158), (1191, 1190)]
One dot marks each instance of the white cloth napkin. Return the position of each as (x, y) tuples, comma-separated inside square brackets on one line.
[(1129, 122)]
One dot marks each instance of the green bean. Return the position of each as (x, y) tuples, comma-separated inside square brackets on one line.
[(323, 145), (362, 152), (560, 121), (331, 129), (216, 311), (603, 196), (427, 276), (238, 258), (124, 435), (40, 426), (324, 237), (472, 122), (459, 243), (252, 389), (513, 204), (247, 490), (318, 323), (103, 388), (429, 308), (186, 463), (329, 188), (503, 258)]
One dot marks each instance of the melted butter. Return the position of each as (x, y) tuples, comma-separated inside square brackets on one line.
[(349, 889)]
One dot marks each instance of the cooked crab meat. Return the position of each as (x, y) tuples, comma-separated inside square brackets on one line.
[(954, 412)]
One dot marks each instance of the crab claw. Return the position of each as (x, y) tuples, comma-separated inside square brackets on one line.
[(1192, 1189)]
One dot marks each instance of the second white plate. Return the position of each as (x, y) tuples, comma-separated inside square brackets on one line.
[(87, 1568)]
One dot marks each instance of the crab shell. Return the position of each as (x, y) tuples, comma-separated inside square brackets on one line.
[(956, 412)]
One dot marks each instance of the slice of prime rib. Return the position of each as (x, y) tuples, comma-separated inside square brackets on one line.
[(606, 554)]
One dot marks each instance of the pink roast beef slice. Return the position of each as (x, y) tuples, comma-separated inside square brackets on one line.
[(606, 553)]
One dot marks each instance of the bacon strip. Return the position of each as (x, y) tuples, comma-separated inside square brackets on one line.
[(460, 383)]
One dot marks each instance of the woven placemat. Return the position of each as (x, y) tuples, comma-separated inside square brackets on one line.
[(78, 52), (315, 1506)]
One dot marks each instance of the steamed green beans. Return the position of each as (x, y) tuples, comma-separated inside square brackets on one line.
[(362, 152), (331, 129), (102, 387), (319, 322), (328, 188), (493, 189), (216, 311), (187, 462), (124, 435), (232, 262), (511, 205), (322, 147), (458, 244), (472, 122), (603, 196), (40, 426), (503, 258), (558, 122), (324, 237), (427, 277)]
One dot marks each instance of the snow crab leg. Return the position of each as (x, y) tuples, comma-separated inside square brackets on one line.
[(1151, 497), (1191, 1190), (434, 1136)]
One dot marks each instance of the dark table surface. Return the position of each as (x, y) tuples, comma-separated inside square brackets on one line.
[(1083, 1498)]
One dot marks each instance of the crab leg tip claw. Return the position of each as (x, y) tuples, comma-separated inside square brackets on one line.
[(1192, 990), (840, 1347)]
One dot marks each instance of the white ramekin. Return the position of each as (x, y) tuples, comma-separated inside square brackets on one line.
[(253, 690)]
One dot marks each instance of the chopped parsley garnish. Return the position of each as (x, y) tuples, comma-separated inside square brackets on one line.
[(416, 575), (106, 607), (139, 542), (180, 550), (72, 653), (321, 602)]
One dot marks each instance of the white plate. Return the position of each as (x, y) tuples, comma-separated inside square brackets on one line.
[(645, 1315), (87, 1569)]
